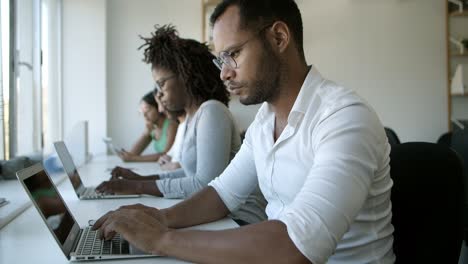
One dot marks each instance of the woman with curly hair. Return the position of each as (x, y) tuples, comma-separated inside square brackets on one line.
[(186, 79)]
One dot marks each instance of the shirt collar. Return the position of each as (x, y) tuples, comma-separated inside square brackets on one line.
[(311, 82)]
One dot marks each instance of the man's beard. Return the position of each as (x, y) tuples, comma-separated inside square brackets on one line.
[(265, 88)]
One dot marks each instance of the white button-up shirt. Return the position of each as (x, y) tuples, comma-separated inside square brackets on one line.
[(327, 177)]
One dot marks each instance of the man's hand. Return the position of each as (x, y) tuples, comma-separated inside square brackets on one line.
[(119, 186), (154, 212), (137, 226), (123, 173)]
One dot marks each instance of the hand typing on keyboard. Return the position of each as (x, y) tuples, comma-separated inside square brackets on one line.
[(119, 186), (140, 225)]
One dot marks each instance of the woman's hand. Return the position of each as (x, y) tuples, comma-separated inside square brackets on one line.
[(164, 159), (120, 186), (128, 156), (123, 173), (170, 166)]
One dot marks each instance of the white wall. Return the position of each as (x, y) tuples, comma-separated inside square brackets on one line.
[(51, 17), (391, 51), (128, 77), (84, 68)]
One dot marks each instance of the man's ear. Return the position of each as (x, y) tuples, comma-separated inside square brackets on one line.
[(281, 36)]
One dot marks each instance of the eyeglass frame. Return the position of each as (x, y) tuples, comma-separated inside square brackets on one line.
[(219, 61), (159, 84)]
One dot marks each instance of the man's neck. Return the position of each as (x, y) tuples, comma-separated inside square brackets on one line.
[(288, 91)]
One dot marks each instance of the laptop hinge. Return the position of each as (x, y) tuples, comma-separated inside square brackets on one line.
[(81, 190), (77, 241)]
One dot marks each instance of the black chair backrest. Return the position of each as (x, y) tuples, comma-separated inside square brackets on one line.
[(445, 139), (392, 136), (460, 145), (427, 203)]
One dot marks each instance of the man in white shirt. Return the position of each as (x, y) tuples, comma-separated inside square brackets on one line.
[(318, 152)]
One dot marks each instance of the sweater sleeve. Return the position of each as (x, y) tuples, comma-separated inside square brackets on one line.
[(213, 147)]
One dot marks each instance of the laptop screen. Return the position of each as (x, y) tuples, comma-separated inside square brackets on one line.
[(50, 205), (68, 165)]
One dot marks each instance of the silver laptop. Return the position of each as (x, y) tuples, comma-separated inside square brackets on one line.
[(83, 193), (76, 243)]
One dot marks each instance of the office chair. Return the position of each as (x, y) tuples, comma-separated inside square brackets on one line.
[(392, 136), (460, 145), (445, 139), (427, 203), (458, 141)]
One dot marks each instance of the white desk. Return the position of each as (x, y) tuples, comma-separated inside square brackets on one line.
[(18, 201), (26, 239)]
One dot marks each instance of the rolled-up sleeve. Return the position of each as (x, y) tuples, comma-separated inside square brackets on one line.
[(214, 131), (177, 173), (239, 179), (337, 185)]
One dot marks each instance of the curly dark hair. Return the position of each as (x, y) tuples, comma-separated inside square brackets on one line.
[(189, 59)]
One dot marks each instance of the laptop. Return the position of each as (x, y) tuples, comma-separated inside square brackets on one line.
[(83, 193), (76, 243)]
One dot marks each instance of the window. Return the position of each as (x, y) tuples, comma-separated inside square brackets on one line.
[(25, 98), (30, 110), (4, 76)]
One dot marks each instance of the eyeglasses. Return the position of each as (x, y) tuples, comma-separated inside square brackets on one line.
[(228, 57), (160, 84)]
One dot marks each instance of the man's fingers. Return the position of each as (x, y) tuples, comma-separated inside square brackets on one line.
[(107, 228), (108, 232), (117, 222), (133, 206), (101, 220)]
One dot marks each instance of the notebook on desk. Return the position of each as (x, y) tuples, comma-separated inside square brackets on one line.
[(76, 243), (83, 193)]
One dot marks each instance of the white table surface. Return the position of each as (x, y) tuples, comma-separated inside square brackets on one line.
[(26, 239), (18, 201)]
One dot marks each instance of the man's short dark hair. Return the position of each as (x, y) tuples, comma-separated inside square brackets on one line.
[(255, 14)]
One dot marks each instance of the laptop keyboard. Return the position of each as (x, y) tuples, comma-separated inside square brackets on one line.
[(91, 244), (91, 193)]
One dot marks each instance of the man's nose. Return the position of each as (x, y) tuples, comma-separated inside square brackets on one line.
[(227, 73)]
